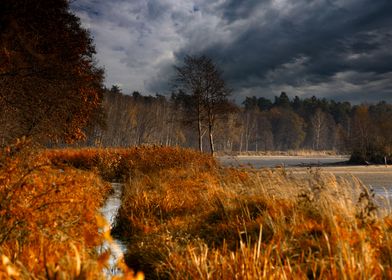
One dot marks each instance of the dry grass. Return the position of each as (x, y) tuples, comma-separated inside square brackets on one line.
[(49, 222), (119, 164), (212, 223), (184, 217), (322, 233)]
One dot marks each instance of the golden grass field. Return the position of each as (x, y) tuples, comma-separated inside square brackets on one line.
[(183, 216)]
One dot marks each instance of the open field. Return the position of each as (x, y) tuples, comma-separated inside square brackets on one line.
[(183, 216)]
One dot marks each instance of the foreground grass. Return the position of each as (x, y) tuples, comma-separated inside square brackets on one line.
[(46, 230), (184, 217), (50, 226), (206, 222)]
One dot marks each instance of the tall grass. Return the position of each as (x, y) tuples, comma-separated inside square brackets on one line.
[(114, 164), (185, 217), (49, 218), (216, 223)]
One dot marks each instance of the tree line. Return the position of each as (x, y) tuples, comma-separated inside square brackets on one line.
[(259, 124)]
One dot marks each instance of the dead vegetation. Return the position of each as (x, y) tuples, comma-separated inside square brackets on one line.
[(184, 217), (214, 223)]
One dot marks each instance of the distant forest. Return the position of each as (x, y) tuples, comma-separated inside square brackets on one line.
[(51, 92), (260, 124)]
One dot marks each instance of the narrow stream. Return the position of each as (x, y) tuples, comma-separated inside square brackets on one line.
[(109, 211)]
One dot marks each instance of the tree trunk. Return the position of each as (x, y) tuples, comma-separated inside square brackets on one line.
[(200, 136), (211, 139), (241, 142)]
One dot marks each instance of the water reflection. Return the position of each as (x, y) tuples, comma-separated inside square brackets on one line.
[(272, 161), (109, 211)]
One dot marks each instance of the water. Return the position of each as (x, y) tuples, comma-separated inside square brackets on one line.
[(272, 161), (379, 178), (112, 204), (109, 211)]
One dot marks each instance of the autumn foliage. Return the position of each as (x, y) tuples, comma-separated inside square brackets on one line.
[(50, 87), (48, 225), (50, 200), (119, 164)]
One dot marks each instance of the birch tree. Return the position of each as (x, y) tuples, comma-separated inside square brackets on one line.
[(200, 78)]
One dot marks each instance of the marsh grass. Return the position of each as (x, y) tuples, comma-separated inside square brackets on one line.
[(217, 223), (185, 217), (50, 225)]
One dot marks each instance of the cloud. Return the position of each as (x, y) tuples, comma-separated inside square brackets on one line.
[(329, 48), (133, 39)]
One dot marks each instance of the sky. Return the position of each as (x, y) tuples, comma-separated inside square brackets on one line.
[(337, 49)]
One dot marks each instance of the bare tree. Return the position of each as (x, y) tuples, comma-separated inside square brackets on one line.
[(200, 77), (318, 122), (249, 127)]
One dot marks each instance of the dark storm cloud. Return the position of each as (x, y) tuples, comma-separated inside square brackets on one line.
[(333, 39), (329, 48), (236, 9)]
